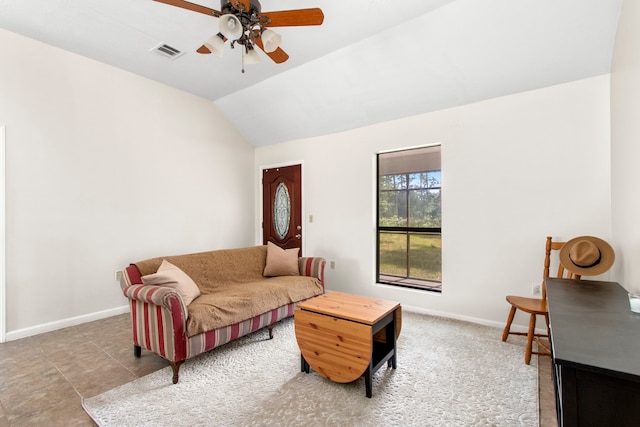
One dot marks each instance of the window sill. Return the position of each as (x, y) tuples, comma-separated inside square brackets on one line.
[(425, 285)]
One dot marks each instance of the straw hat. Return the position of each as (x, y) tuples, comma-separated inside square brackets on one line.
[(587, 256)]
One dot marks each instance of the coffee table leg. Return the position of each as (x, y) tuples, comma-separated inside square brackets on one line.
[(367, 381), (304, 366), (391, 338)]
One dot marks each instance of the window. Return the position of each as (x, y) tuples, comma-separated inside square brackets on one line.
[(409, 230)]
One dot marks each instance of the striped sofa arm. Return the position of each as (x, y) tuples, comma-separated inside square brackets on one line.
[(313, 267), (158, 318), (151, 294), (158, 321), (132, 288)]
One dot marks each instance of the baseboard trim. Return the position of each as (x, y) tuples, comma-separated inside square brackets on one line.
[(493, 324), (65, 323), (479, 321), (73, 321)]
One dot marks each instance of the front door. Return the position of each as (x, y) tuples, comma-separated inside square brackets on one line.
[(282, 206)]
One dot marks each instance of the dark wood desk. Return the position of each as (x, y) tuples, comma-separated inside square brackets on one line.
[(595, 341)]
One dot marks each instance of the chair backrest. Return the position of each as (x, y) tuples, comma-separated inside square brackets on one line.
[(562, 272)]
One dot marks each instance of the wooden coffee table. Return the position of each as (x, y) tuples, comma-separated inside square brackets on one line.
[(344, 337)]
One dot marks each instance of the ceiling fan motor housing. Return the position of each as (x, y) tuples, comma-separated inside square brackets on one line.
[(252, 24), (227, 6)]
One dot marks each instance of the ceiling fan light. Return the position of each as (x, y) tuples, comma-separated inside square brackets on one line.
[(251, 57), (271, 40), (230, 26), (215, 44)]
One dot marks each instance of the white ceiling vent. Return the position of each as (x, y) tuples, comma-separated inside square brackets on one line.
[(167, 51)]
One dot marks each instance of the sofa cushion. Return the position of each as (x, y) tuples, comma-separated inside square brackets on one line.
[(281, 262), (242, 301), (171, 276)]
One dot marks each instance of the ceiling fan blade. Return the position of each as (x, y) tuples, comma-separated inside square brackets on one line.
[(294, 18), (278, 56), (191, 6), (203, 49)]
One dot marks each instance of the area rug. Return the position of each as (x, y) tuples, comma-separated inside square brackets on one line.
[(449, 373)]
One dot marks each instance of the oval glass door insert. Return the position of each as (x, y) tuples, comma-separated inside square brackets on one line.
[(281, 210)]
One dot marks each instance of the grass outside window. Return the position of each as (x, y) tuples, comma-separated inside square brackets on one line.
[(422, 261)]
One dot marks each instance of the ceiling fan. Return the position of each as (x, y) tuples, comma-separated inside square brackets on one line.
[(244, 23)]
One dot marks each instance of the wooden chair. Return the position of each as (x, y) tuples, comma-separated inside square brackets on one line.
[(536, 306)]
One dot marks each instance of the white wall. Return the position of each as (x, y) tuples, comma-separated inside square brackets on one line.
[(105, 168), (515, 169), (625, 146)]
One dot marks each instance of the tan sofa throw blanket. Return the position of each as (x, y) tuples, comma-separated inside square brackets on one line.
[(214, 269), (232, 286)]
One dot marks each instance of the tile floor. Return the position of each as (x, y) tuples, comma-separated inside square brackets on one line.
[(44, 377)]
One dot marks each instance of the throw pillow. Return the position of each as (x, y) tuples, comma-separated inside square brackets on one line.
[(281, 262), (171, 276)]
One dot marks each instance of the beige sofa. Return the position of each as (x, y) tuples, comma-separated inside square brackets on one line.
[(185, 305)]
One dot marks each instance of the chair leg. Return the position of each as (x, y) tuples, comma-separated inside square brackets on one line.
[(543, 349), (530, 334), (507, 328)]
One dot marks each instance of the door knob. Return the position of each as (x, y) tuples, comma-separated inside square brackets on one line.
[(298, 236)]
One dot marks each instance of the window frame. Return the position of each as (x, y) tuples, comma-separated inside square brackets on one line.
[(407, 281)]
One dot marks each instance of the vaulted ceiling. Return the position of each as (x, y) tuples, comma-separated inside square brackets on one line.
[(370, 61)]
